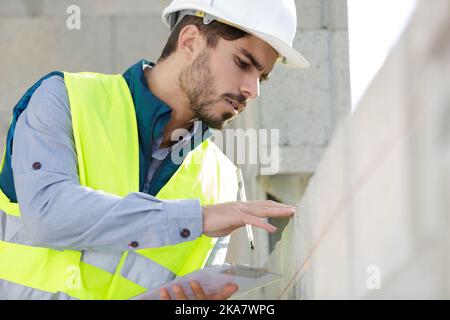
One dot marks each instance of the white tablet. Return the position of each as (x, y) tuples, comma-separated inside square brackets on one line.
[(214, 278)]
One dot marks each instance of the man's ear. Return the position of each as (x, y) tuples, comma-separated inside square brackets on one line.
[(189, 41)]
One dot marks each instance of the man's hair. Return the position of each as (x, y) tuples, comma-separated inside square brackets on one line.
[(211, 31)]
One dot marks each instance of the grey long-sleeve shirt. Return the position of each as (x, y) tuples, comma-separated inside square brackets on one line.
[(60, 213)]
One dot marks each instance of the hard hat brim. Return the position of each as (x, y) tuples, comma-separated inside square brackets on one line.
[(289, 56)]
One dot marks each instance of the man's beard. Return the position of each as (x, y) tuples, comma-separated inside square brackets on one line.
[(199, 86)]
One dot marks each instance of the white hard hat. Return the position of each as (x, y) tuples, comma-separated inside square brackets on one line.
[(273, 21)]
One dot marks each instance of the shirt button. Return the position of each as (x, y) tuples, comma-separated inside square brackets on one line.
[(185, 233), (36, 165), (134, 244)]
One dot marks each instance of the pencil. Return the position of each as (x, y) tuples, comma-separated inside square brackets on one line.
[(243, 197)]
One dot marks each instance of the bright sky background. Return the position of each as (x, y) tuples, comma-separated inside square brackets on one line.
[(374, 27)]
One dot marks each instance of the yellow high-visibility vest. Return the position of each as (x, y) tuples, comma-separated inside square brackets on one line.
[(103, 114)]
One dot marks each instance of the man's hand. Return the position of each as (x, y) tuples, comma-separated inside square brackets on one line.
[(179, 293), (222, 219)]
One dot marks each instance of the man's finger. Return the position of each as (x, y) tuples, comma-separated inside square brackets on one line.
[(254, 221), (164, 294), (264, 212), (198, 291), (225, 293), (271, 211), (269, 203), (179, 292)]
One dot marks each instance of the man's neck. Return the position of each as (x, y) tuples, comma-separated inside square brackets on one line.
[(162, 81)]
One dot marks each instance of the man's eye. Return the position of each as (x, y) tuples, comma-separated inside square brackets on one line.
[(242, 64)]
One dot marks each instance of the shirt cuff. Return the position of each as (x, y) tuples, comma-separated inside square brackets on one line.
[(184, 219)]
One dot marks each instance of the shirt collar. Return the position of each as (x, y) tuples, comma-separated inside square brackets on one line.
[(146, 103)]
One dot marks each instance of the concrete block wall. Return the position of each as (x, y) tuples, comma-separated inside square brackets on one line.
[(307, 104), (374, 220)]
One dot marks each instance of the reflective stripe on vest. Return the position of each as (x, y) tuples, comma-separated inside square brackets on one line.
[(206, 174)]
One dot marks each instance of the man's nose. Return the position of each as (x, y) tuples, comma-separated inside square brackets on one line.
[(250, 88)]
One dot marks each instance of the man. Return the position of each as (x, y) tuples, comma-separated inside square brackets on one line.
[(105, 210)]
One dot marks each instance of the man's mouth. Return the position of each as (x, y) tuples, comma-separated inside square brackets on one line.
[(234, 104)]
